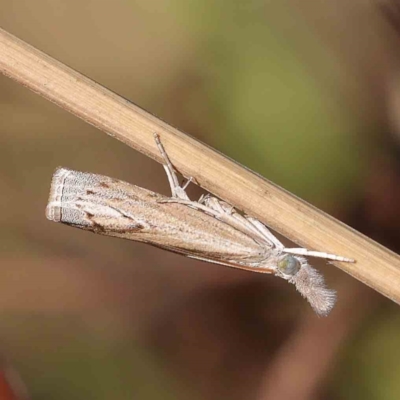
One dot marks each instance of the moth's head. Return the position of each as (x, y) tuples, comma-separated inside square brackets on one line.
[(308, 281), (288, 266)]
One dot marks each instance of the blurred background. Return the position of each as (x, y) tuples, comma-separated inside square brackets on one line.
[(305, 93)]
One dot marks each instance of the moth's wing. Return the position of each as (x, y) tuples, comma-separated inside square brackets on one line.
[(210, 258), (115, 208), (233, 264), (76, 196)]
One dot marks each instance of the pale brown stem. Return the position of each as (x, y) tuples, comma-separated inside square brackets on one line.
[(376, 266)]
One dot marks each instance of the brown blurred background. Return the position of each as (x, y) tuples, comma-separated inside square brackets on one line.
[(306, 94)]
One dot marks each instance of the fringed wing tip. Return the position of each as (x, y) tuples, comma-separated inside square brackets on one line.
[(53, 209)]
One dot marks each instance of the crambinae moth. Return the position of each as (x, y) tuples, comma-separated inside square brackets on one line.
[(209, 229)]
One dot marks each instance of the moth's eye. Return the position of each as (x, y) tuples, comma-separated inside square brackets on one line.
[(289, 265)]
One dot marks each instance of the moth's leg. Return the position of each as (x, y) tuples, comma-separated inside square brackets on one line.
[(230, 213), (298, 251), (202, 198), (225, 208), (224, 212), (190, 180), (266, 233), (214, 211), (192, 204), (216, 204), (177, 190), (304, 252)]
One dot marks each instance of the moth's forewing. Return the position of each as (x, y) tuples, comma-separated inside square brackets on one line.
[(112, 207)]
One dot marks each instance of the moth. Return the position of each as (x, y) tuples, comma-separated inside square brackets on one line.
[(209, 229)]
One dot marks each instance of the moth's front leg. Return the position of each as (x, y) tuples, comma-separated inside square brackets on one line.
[(177, 190)]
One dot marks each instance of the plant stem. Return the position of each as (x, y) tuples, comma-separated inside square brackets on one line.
[(376, 266)]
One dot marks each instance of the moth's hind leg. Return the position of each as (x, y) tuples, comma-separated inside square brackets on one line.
[(177, 190), (267, 234), (228, 213), (257, 229)]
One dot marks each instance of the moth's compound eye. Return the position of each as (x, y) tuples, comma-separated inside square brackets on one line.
[(289, 265)]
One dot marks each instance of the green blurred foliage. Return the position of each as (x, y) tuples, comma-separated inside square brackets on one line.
[(371, 369), (272, 112)]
